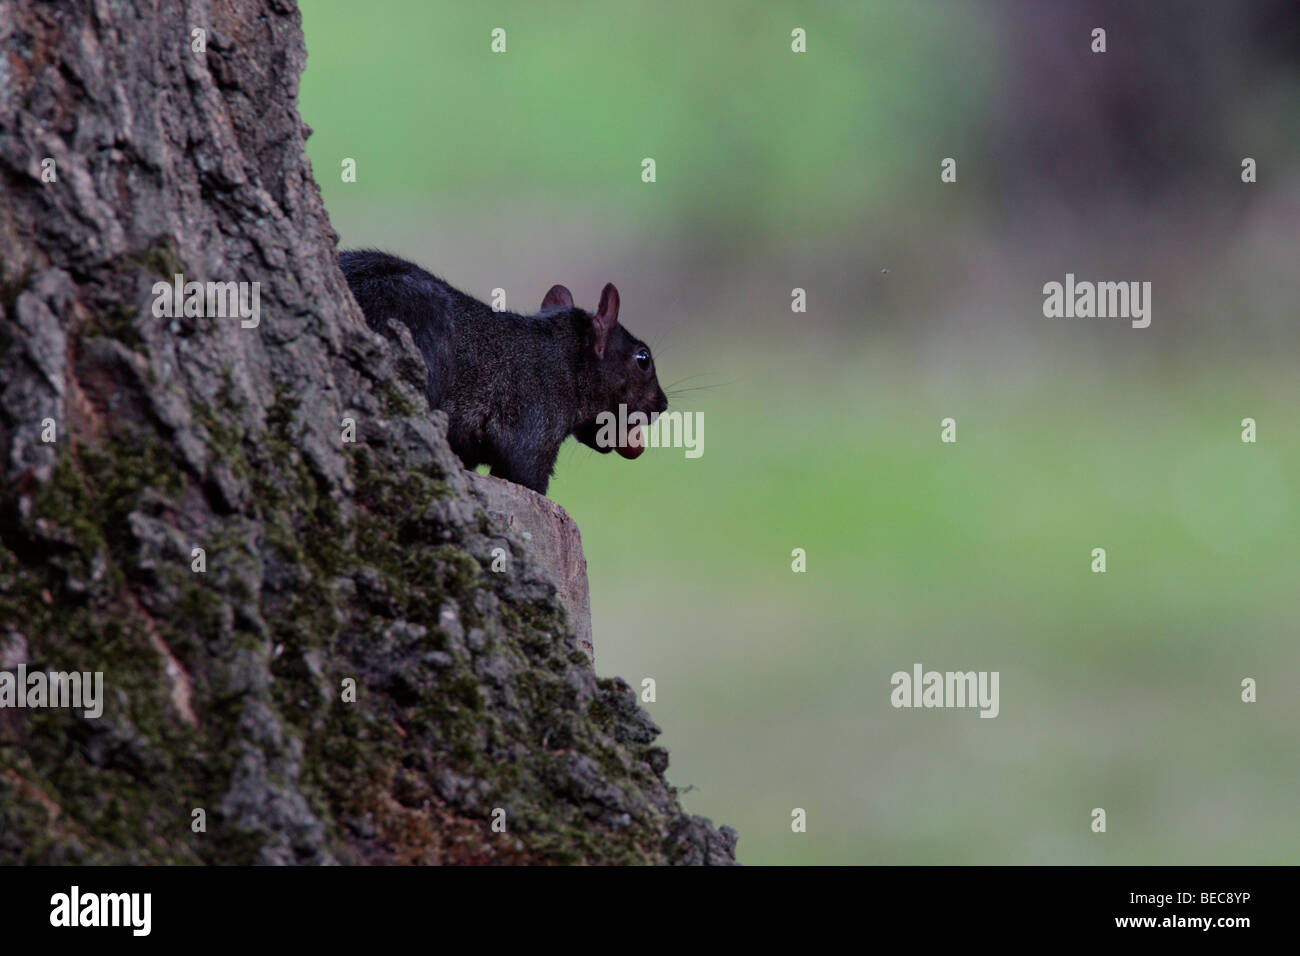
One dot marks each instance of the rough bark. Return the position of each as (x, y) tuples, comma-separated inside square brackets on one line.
[(325, 560), (553, 539)]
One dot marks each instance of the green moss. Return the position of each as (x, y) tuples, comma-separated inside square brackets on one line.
[(160, 259), (117, 323), (161, 768), (394, 403), (11, 287), (74, 620)]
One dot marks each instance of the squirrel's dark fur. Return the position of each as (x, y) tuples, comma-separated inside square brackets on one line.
[(513, 386)]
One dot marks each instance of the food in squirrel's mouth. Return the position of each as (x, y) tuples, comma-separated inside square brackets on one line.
[(635, 443)]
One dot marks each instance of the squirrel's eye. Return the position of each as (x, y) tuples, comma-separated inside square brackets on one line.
[(643, 360)]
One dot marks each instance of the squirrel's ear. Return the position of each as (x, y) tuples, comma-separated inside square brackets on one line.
[(558, 298), (606, 317)]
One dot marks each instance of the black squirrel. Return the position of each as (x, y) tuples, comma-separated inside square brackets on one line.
[(513, 386)]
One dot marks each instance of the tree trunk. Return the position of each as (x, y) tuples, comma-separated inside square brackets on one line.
[(130, 441)]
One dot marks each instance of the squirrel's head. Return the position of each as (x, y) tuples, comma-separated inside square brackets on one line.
[(615, 369)]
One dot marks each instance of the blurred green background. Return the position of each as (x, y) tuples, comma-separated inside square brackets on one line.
[(820, 170)]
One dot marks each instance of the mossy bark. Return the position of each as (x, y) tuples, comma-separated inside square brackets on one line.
[(327, 561)]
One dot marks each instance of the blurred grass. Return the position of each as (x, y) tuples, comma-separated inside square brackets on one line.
[(1118, 690), (585, 91)]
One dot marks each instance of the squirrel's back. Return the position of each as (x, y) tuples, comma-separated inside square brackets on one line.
[(387, 287)]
